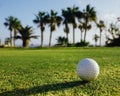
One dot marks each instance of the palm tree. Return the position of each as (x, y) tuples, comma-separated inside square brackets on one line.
[(96, 39), (9, 24), (40, 20), (72, 14), (25, 35), (101, 26), (16, 27), (113, 30), (81, 29), (66, 22), (13, 24), (53, 20), (89, 15)]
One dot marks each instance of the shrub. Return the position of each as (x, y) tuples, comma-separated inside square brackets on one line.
[(81, 44)]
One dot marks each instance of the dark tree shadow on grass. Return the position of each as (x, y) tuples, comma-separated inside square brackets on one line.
[(42, 89)]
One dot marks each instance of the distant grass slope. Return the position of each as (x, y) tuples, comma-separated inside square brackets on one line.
[(52, 72)]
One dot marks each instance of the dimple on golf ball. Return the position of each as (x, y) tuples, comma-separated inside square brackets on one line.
[(87, 69)]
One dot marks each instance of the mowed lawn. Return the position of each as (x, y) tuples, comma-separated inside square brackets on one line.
[(52, 72)]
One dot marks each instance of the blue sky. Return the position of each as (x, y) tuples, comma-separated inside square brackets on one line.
[(25, 10)]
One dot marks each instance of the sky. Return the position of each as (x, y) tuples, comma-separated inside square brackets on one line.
[(25, 11)]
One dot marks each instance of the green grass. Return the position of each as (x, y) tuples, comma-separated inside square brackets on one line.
[(52, 72)]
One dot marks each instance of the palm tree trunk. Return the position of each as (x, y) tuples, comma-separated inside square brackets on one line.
[(67, 38), (100, 37), (85, 35), (41, 38), (15, 34), (10, 38), (81, 36), (14, 39), (73, 36), (95, 43), (50, 39), (25, 43)]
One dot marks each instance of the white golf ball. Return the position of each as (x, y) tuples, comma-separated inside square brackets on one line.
[(87, 69)]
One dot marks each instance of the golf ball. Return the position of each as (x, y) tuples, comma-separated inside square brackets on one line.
[(87, 69)]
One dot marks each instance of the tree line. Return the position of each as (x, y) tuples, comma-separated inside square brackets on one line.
[(69, 16)]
